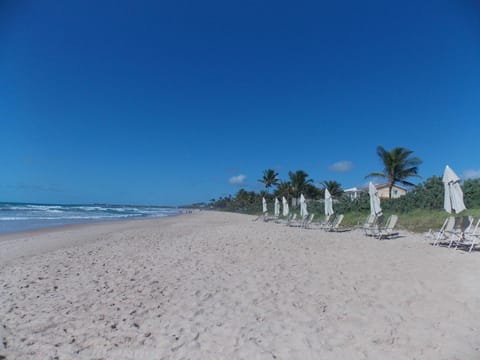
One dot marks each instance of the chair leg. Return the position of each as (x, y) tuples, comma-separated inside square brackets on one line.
[(451, 241), (437, 238), (472, 245)]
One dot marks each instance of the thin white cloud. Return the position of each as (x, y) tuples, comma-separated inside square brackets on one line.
[(471, 174), (341, 166), (237, 180)]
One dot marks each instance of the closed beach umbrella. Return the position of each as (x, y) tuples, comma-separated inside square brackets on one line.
[(453, 201), (264, 205), (285, 206), (375, 208), (277, 207), (328, 203), (303, 206)]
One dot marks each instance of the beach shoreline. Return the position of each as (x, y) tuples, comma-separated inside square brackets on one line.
[(45, 239), (73, 226), (211, 285), (20, 217)]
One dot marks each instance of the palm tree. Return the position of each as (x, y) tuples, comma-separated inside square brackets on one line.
[(299, 181), (244, 198), (269, 179), (398, 165), (334, 187), (284, 188)]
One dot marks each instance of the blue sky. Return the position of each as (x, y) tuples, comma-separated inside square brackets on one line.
[(153, 102)]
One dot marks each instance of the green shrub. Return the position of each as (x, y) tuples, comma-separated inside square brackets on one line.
[(419, 210)]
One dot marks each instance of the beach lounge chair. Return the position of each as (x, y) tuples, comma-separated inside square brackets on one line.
[(442, 234), (457, 234), (321, 225), (431, 234), (368, 222), (335, 225), (263, 216), (327, 222), (469, 238), (374, 222), (463, 226), (308, 221), (388, 229), (284, 220), (270, 218), (473, 237), (301, 223), (293, 221)]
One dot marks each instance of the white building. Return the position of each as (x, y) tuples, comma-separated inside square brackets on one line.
[(353, 193), (397, 191)]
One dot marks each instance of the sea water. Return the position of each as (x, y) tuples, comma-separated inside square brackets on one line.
[(19, 217)]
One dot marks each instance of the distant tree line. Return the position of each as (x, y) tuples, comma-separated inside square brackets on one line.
[(398, 166), (427, 195)]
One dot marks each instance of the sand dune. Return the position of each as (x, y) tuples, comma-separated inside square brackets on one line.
[(219, 286)]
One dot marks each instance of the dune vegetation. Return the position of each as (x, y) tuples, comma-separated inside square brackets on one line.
[(419, 210)]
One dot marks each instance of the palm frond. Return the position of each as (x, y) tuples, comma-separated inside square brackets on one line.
[(398, 165), (376, 174)]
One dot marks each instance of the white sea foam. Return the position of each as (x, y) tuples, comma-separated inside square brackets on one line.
[(43, 207), (16, 217)]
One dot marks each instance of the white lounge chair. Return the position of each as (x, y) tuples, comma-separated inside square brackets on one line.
[(284, 220), (368, 223), (442, 234), (388, 229), (271, 218), (308, 221), (327, 222), (335, 225), (263, 216), (462, 225), (373, 224), (293, 221), (473, 237), (469, 238), (301, 223), (431, 234)]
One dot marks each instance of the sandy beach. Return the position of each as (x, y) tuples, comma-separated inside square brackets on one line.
[(212, 285)]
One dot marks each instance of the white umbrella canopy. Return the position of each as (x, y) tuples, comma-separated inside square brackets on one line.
[(453, 201), (264, 205), (285, 206), (375, 208), (328, 203), (303, 206), (277, 207)]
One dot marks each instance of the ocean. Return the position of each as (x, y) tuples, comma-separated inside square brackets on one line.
[(20, 217)]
